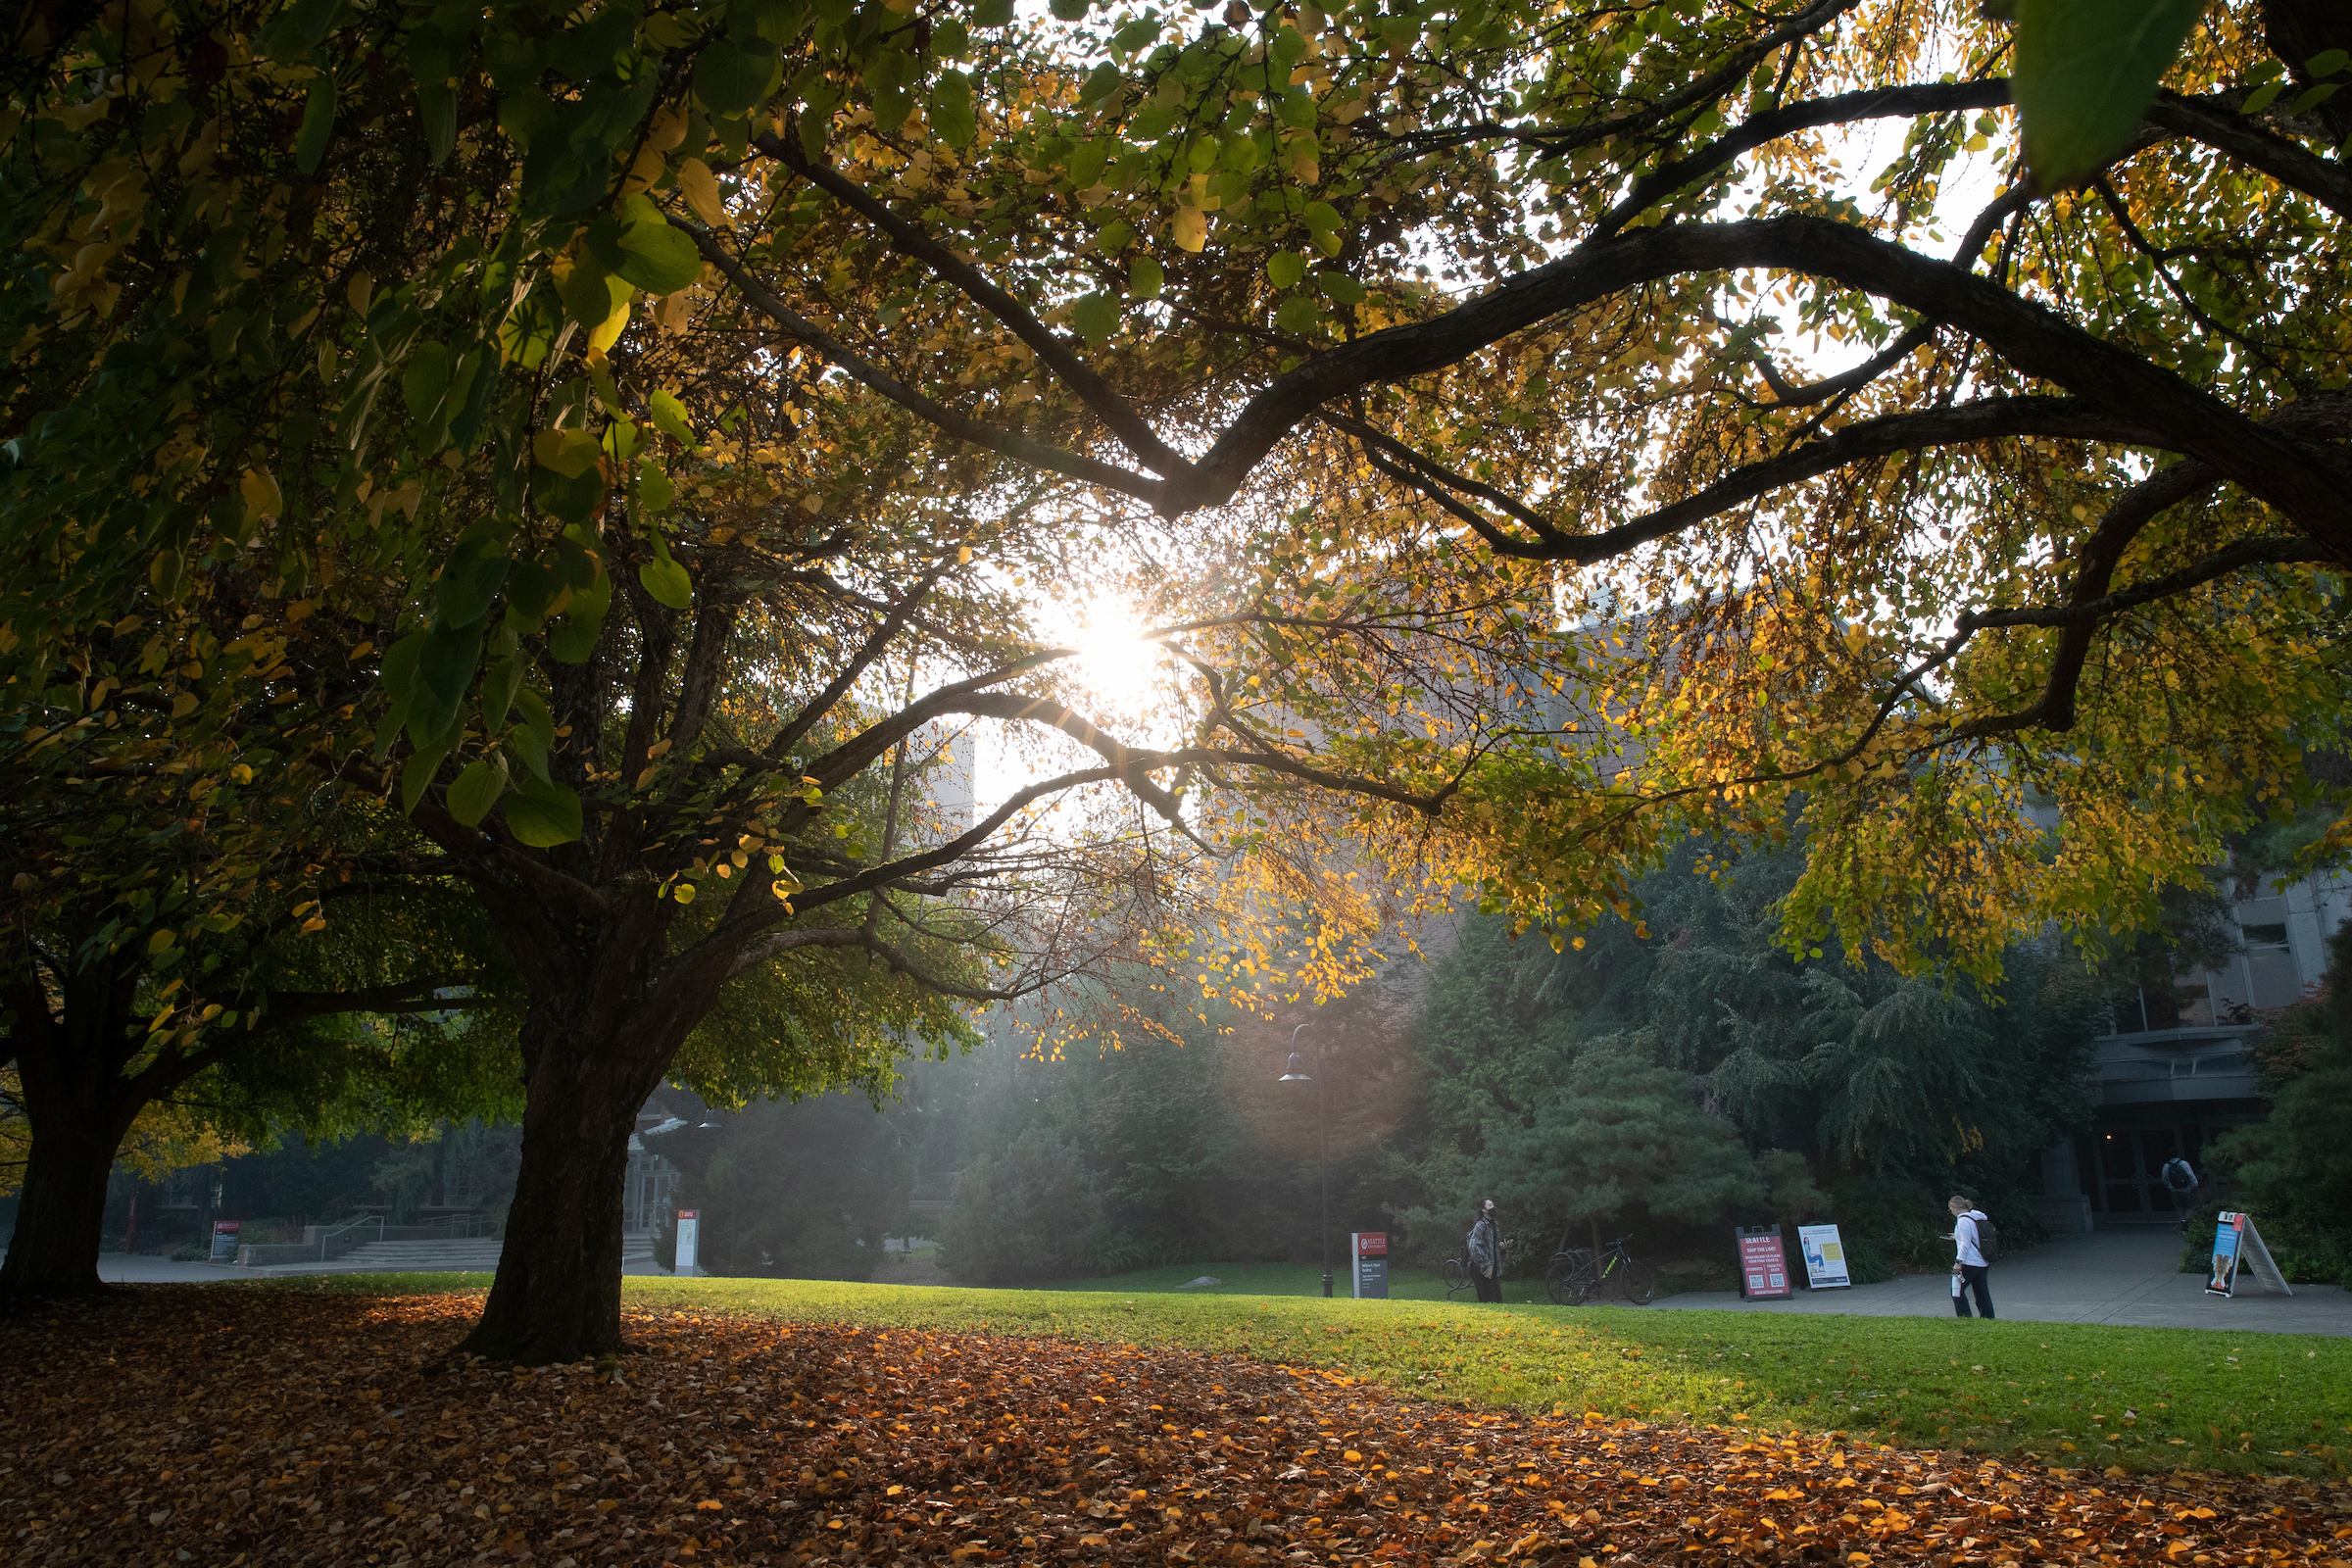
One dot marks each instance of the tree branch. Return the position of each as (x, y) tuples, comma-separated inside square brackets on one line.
[(909, 239), (962, 427)]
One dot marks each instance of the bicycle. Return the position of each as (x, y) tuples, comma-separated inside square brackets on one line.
[(1454, 1273), (1577, 1276)]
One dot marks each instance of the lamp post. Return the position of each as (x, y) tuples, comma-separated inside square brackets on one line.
[(1322, 1144)]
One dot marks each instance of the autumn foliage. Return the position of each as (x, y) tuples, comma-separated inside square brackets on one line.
[(245, 1426)]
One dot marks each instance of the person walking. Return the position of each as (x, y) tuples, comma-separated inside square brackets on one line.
[(1486, 1252), (1967, 1259)]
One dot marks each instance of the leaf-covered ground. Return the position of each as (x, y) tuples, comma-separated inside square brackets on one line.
[(228, 1426)]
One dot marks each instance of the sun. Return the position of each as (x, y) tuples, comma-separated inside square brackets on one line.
[(1114, 665)]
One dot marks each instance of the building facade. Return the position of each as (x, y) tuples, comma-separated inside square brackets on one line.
[(2175, 1070)]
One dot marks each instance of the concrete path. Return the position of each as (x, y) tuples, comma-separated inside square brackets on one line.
[(2129, 1276), (117, 1268)]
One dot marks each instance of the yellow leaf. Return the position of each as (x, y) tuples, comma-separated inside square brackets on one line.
[(1191, 228), (263, 498), (700, 189), (710, 1505)]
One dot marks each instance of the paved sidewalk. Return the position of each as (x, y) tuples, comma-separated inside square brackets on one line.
[(2112, 1277), (117, 1268)]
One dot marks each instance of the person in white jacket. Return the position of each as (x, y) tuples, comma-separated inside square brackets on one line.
[(1968, 1260)]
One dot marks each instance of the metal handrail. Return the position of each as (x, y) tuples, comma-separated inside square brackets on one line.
[(327, 1236)]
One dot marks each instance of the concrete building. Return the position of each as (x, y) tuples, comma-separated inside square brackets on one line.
[(2174, 1070)]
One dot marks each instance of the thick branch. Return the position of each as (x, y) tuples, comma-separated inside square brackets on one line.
[(962, 427), (908, 239), (1991, 419), (2312, 485), (2216, 123)]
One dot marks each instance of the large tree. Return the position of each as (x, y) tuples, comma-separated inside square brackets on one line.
[(1425, 346)]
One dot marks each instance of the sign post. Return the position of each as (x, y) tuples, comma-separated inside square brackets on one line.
[(1763, 1263), (1371, 1252), (690, 1224), (1824, 1257), (224, 1240), (2237, 1245)]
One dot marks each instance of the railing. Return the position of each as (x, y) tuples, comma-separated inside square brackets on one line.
[(327, 1237)]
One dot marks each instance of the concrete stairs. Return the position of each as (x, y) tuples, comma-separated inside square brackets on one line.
[(478, 1255), (421, 1257)]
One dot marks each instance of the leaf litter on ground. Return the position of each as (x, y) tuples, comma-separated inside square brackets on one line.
[(227, 1426)]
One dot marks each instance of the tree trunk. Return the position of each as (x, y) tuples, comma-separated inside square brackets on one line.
[(78, 1107), (557, 1292), (54, 1248)]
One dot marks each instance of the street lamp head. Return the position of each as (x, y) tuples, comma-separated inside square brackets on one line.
[(1297, 1074)]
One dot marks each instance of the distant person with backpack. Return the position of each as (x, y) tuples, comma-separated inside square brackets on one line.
[(1973, 1241), (1486, 1252)]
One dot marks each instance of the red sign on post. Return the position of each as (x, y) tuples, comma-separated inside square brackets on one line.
[(1763, 1263), (1371, 1249)]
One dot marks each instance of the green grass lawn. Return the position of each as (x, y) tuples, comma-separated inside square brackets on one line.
[(1294, 1278), (2069, 1393)]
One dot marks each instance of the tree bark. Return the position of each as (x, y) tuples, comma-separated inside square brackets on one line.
[(54, 1248), (79, 1106), (589, 1065)]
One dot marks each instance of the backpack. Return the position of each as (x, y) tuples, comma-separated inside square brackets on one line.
[(1988, 1237)]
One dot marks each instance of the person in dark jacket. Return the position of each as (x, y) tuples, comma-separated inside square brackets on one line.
[(1486, 1252)]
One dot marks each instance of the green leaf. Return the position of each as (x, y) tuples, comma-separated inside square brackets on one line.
[(1145, 278), (1297, 109), (543, 814), (657, 257), (992, 13), (1096, 316), (1116, 237), (425, 382), (1321, 216), (574, 638), (2327, 62), (669, 417), (1285, 268), (1100, 82), (571, 499), (437, 109), (654, 489), (477, 789), (415, 777), (2314, 97), (731, 74), (591, 294), (445, 667), (535, 737), (469, 582), (498, 691), (951, 111), (396, 673), (1299, 314), (1086, 161), (1340, 287), (1068, 10), (318, 124), (666, 579), (2085, 73), (2261, 98)]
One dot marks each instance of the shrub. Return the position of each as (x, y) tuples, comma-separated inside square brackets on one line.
[(1021, 1212)]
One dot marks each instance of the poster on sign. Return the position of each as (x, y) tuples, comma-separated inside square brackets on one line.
[(690, 1226), (2237, 1246), (1824, 1257), (224, 1240), (1371, 1252), (2221, 1280), (1763, 1263)]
